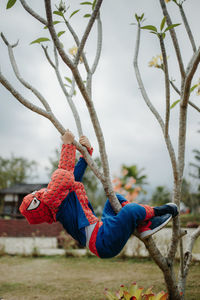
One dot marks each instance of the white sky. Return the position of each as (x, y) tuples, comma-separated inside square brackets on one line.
[(132, 134)]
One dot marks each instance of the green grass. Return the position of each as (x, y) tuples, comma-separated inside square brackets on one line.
[(81, 278)]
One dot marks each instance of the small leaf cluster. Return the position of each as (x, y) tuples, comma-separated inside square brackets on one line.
[(92, 4), (180, 3), (61, 10), (69, 84), (163, 28), (139, 19), (135, 293)]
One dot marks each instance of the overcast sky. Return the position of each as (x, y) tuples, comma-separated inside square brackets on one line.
[(132, 134)]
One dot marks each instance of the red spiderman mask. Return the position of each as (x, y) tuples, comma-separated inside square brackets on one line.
[(34, 209)]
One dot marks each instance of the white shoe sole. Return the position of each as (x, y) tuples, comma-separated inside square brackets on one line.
[(146, 234)]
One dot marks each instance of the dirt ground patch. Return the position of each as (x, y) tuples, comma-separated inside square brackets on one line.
[(80, 278)]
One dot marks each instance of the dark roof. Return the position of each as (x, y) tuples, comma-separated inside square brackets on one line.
[(23, 188)]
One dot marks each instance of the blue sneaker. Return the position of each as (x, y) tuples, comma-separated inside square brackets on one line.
[(169, 208), (153, 225)]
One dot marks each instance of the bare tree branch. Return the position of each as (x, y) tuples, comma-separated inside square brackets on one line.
[(187, 27), (191, 69), (151, 107), (54, 121), (167, 89), (30, 105), (181, 257), (97, 57), (187, 259), (87, 31), (99, 44), (47, 56), (174, 38), (74, 70), (166, 266), (68, 95), (76, 39), (183, 112), (19, 77), (99, 134), (32, 12), (175, 87), (194, 106)]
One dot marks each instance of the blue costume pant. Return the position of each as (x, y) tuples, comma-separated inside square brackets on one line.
[(117, 228)]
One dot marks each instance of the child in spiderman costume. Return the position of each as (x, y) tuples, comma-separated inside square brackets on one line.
[(65, 200)]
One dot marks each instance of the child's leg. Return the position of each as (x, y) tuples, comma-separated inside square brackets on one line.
[(108, 210), (116, 230)]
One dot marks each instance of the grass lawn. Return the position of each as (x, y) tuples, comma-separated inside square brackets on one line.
[(25, 278)]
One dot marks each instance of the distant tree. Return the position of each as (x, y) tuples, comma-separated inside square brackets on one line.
[(194, 200), (161, 196), (195, 173), (189, 197), (135, 173), (16, 170), (130, 182)]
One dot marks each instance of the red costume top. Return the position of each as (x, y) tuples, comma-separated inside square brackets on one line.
[(42, 206)]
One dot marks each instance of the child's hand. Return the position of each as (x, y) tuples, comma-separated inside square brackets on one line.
[(85, 142), (68, 137)]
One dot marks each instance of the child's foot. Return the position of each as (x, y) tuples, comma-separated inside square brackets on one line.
[(169, 208), (153, 225)]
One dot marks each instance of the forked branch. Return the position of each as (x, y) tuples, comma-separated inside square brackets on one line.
[(151, 107), (174, 38), (167, 86)]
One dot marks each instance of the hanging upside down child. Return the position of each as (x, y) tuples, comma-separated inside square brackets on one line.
[(65, 200)]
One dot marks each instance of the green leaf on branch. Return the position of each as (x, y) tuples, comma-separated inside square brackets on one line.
[(171, 26), (174, 104), (93, 4), (193, 88), (163, 35), (40, 40), (162, 23), (86, 3), (10, 3), (59, 13), (54, 23), (60, 33), (75, 12), (87, 16), (150, 27), (68, 79), (154, 32), (67, 85), (137, 18)]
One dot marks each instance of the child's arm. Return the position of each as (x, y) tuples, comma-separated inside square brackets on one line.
[(62, 179), (82, 164), (68, 153)]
